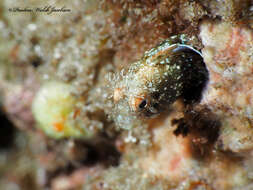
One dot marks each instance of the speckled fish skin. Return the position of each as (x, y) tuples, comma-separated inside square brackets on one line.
[(165, 73)]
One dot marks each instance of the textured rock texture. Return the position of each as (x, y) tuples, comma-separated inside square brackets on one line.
[(203, 145)]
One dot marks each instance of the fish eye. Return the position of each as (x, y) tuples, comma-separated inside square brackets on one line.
[(143, 104)]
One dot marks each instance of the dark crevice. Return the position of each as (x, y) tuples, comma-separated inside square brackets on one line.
[(196, 77), (100, 151), (7, 134), (202, 127)]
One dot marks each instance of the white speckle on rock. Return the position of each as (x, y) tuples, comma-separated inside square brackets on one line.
[(32, 27)]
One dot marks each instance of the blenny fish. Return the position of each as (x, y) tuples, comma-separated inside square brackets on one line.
[(165, 73)]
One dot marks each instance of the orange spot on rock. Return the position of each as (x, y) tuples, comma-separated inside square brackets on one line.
[(237, 39), (196, 184), (233, 46), (174, 163), (58, 126)]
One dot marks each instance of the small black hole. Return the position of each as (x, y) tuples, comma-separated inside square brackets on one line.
[(36, 62), (142, 104)]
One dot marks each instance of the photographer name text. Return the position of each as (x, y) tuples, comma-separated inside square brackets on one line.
[(46, 9)]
